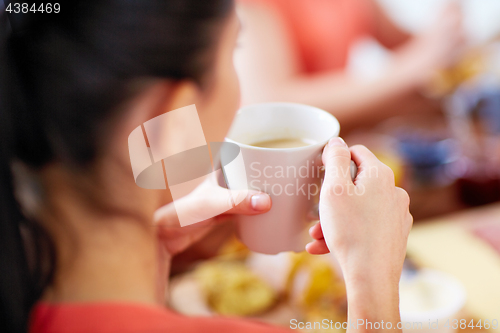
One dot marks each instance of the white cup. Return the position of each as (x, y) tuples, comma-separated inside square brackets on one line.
[(291, 176), (431, 301)]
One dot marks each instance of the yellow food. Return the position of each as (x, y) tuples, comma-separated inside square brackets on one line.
[(447, 80), (233, 248), (316, 284), (231, 288), (393, 162)]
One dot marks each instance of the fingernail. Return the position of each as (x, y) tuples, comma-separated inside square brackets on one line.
[(319, 159), (260, 201), (337, 142)]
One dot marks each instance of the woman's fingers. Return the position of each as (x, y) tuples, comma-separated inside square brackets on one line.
[(316, 232), (205, 206), (210, 200), (317, 247), (370, 169), (254, 203), (337, 161), (360, 154), (363, 157), (166, 216)]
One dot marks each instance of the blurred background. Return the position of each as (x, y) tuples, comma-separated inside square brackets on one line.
[(417, 82)]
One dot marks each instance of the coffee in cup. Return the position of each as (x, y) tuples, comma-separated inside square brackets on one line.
[(284, 143), (280, 144)]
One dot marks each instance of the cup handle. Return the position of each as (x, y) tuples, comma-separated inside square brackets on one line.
[(354, 170)]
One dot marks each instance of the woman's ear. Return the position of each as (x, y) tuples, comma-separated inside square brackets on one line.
[(174, 131), (158, 99), (166, 134)]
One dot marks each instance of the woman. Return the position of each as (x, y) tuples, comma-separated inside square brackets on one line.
[(297, 51), (80, 252)]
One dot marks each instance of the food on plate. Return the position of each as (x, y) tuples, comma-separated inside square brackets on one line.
[(230, 288), (316, 284)]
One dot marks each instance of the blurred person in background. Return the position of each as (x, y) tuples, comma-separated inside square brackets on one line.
[(82, 247), (297, 51)]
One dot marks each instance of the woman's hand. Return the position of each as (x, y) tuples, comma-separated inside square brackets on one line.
[(361, 221), (208, 196), (366, 225)]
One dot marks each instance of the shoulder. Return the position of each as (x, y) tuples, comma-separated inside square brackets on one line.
[(119, 317)]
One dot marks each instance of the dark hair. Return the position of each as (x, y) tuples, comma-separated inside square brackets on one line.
[(61, 76)]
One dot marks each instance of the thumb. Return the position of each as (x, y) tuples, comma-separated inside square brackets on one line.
[(337, 162), (218, 199), (209, 200)]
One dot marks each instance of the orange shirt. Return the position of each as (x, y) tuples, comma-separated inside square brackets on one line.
[(133, 318), (323, 30)]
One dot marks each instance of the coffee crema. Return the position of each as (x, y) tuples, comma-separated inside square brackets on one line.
[(284, 143)]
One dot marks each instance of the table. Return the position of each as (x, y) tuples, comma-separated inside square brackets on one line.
[(450, 244)]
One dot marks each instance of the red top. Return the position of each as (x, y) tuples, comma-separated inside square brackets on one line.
[(133, 318), (323, 30)]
